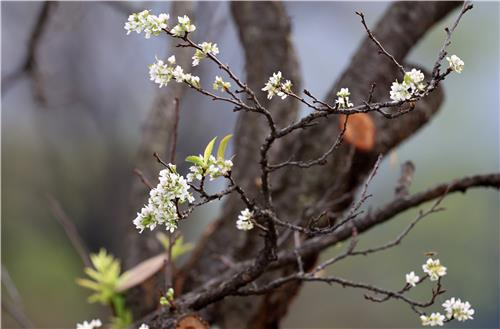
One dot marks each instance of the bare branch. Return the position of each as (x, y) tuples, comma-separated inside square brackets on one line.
[(14, 307), (173, 142), (30, 63), (382, 49), (70, 230)]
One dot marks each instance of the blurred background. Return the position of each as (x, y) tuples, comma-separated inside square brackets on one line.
[(72, 131)]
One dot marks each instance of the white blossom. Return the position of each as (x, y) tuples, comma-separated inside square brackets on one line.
[(184, 26), (160, 72), (96, 323), (214, 168), (414, 79), (161, 208), (196, 173), (149, 23), (343, 98), (244, 221), (413, 82), (435, 319), (399, 92), (206, 48), (412, 279), (459, 310), (274, 86), (218, 167), (219, 83), (178, 74), (286, 87), (192, 80), (455, 63), (434, 269), (144, 326)]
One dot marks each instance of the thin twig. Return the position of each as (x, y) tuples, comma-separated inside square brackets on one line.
[(379, 45), (442, 53), (14, 307), (30, 63), (143, 178), (70, 230), (158, 158), (175, 131)]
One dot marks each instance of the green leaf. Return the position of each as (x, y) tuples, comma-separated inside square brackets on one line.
[(195, 159), (178, 249), (222, 146), (208, 150), (88, 284), (163, 239), (105, 277)]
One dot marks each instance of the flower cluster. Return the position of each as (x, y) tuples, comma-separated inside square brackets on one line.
[(435, 319), (206, 48), (220, 84), (144, 21), (209, 165), (455, 309), (434, 269), (96, 323), (275, 86), (343, 98), (144, 326), (218, 167), (455, 63), (213, 168), (412, 84), (244, 221), (161, 73), (459, 310), (153, 25), (184, 26), (172, 190)]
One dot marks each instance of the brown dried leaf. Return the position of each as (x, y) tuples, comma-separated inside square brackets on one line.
[(360, 130)]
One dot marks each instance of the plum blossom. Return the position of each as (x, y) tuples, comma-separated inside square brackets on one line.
[(220, 84), (184, 26), (435, 319), (161, 209), (244, 221), (459, 310), (149, 23), (455, 63), (343, 98), (413, 83), (412, 279), (96, 323), (275, 86), (434, 269), (206, 48)]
